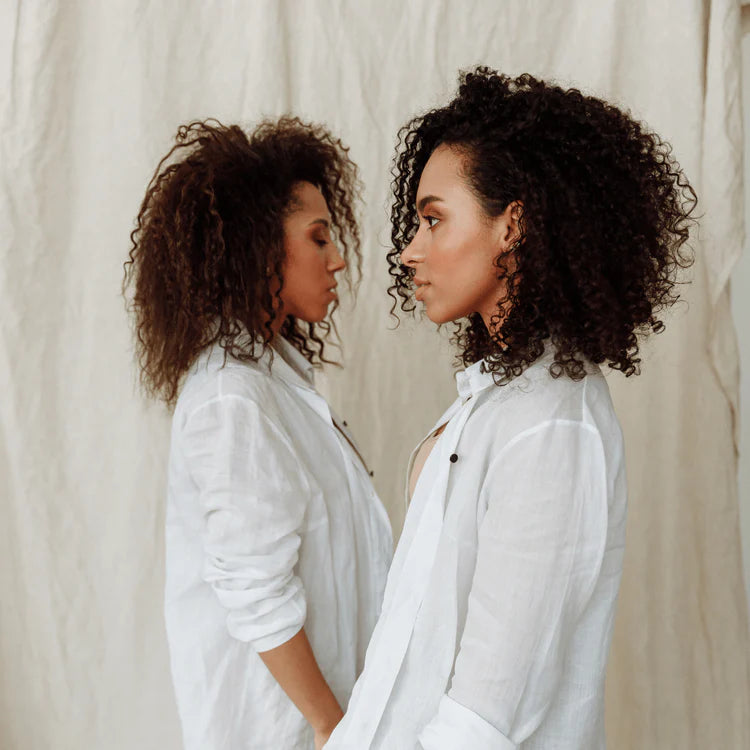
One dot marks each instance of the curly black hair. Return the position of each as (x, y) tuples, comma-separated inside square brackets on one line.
[(606, 212), (207, 255)]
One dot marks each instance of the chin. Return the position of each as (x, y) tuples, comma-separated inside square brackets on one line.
[(317, 317), (436, 317)]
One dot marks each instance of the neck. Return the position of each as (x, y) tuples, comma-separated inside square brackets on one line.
[(492, 321), (278, 323)]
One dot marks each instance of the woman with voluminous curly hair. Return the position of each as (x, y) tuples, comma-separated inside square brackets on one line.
[(277, 547), (547, 226)]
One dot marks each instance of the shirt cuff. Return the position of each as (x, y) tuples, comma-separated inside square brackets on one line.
[(456, 727), (264, 631), (277, 639)]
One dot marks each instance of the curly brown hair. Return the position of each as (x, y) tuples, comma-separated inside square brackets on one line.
[(207, 255), (606, 212)]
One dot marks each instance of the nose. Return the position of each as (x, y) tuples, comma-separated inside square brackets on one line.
[(335, 261), (413, 253)]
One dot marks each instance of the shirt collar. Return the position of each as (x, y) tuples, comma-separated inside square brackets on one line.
[(290, 365), (473, 379), (477, 377)]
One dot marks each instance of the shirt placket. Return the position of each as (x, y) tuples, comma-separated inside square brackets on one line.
[(396, 634)]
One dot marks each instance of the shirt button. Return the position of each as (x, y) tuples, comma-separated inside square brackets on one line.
[(454, 458)]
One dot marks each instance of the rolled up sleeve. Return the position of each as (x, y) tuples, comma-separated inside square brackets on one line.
[(455, 726), (253, 496), (540, 549)]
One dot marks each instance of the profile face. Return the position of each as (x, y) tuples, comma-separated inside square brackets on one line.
[(456, 244), (312, 260)]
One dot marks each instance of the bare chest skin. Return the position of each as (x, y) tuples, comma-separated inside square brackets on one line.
[(421, 458)]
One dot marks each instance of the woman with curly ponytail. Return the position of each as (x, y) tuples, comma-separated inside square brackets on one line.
[(547, 227), (276, 545)]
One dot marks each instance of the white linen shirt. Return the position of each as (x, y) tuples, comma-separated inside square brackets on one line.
[(272, 523), (498, 609)]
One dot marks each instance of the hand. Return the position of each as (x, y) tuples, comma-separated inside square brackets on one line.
[(321, 738), (324, 731)]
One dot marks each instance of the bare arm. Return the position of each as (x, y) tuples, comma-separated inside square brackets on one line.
[(294, 667)]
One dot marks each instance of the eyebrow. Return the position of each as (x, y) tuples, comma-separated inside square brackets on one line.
[(323, 222), (427, 199)]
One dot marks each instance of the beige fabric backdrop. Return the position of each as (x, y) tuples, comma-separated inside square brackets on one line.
[(91, 93)]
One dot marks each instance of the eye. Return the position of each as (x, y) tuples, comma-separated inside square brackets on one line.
[(431, 221), (321, 242)]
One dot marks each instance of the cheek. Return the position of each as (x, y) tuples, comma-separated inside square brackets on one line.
[(311, 265), (465, 279), (305, 280), (445, 260), (301, 268), (460, 265)]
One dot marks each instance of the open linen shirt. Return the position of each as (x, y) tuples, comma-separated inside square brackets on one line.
[(498, 609), (272, 523)]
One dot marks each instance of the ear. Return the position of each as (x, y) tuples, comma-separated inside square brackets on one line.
[(512, 219)]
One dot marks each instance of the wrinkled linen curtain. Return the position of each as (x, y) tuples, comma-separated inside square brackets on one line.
[(91, 95)]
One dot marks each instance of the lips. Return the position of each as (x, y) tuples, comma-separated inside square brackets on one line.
[(421, 284)]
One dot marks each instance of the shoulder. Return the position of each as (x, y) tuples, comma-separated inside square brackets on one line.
[(215, 378), (536, 403)]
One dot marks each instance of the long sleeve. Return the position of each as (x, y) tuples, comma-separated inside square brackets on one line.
[(540, 549), (253, 498)]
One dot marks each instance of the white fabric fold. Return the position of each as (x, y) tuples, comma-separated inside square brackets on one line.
[(272, 525), (91, 96), (456, 727), (253, 498), (502, 591)]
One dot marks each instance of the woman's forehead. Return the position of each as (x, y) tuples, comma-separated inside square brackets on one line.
[(308, 204), (444, 173)]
